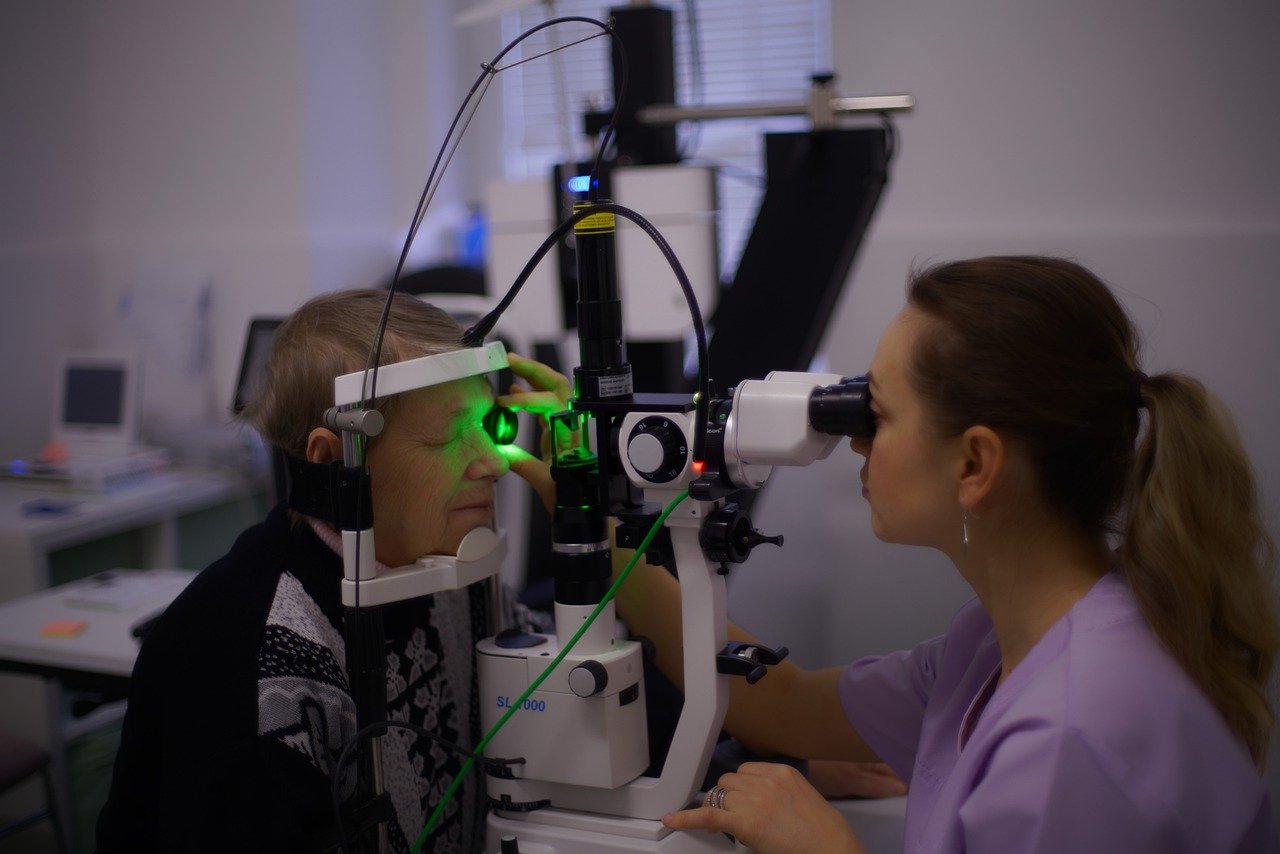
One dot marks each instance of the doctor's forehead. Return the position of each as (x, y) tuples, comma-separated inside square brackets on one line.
[(893, 351)]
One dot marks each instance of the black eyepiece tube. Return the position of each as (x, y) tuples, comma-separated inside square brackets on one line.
[(843, 409)]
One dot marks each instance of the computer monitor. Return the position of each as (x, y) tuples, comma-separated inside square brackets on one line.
[(96, 400), (258, 342)]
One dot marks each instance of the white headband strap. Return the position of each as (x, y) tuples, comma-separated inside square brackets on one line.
[(397, 378)]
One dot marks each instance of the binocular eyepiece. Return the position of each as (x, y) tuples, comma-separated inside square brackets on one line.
[(843, 409), (786, 419)]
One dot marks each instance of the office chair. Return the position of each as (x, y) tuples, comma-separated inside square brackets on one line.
[(443, 279), (257, 351), (19, 761)]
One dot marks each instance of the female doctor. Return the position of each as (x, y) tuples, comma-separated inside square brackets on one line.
[(1105, 690)]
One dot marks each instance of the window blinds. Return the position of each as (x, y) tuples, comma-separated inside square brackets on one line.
[(747, 51)]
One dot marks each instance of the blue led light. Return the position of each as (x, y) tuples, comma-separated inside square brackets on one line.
[(579, 183), (18, 466)]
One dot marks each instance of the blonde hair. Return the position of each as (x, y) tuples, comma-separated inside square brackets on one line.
[(1047, 354), (1197, 556), (327, 337)]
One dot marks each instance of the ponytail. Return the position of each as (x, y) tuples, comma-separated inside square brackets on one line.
[(1196, 554)]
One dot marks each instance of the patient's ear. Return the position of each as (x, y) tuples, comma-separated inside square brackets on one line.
[(323, 446)]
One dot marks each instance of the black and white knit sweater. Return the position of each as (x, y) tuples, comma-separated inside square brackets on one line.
[(240, 706)]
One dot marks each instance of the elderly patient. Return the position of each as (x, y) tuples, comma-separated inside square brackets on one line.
[(240, 704)]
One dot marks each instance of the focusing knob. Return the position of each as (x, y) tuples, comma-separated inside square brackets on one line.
[(657, 449), (588, 679), (727, 536)]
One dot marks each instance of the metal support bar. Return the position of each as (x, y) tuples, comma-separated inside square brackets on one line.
[(666, 114)]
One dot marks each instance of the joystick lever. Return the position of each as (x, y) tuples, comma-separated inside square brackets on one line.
[(727, 535), (748, 659)]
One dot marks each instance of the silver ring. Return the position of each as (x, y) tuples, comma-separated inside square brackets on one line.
[(580, 548), (715, 797)]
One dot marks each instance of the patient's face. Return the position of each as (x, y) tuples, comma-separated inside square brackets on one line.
[(433, 469)]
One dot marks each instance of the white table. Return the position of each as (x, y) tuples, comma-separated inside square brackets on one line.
[(151, 514), (110, 604), (100, 655), (152, 508)]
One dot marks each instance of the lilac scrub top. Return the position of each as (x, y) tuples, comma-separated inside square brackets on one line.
[(1097, 741)]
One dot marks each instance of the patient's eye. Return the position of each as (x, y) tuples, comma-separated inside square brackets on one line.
[(501, 425)]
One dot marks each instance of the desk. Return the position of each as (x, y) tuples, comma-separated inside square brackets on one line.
[(152, 509), (185, 517), (106, 647)]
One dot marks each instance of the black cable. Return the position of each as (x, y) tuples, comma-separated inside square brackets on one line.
[(611, 129), (490, 69), (550, 51), (345, 756), (375, 355), (483, 326)]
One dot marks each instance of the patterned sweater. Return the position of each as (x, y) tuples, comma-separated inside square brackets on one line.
[(240, 707)]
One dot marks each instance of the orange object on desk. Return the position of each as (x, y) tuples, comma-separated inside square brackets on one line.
[(55, 453), (63, 628)]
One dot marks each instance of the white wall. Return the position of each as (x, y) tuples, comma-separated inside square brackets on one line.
[(269, 150), (1139, 139), (44, 174)]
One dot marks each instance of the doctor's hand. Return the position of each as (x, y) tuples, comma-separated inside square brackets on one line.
[(771, 809), (544, 391)]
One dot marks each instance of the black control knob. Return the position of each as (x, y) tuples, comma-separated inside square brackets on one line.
[(727, 535), (517, 639), (588, 679), (657, 449)]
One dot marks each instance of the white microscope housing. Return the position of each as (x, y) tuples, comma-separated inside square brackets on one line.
[(582, 733)]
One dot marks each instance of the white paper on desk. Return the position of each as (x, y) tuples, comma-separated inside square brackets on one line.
[(123, 591)]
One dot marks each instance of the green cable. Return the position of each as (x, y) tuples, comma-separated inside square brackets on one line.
[(555, 662)]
